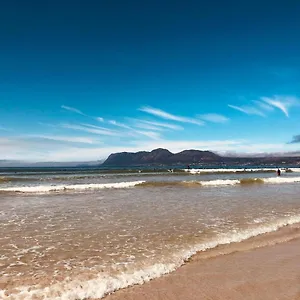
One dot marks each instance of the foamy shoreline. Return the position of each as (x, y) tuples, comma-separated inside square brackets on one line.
[(262, 267), (286, 231)]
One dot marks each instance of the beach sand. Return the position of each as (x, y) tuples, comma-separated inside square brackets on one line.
[(263, 268)]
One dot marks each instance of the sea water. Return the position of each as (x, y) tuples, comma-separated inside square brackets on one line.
[(84, 233)]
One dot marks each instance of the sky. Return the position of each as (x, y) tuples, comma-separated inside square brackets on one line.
[(82, 79)]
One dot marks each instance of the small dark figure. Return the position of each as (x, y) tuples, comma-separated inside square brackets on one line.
[(188, 167), (278, 172)]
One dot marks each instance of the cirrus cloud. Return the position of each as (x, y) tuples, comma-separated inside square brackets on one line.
[(167, 116), (215, 118)]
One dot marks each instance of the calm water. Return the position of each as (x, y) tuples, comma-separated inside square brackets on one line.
[(73, 235)]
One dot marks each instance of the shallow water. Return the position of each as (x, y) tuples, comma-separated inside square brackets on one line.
[(75, 236)]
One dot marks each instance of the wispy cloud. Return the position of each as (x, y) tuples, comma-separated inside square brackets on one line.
[(264, 106), (165, 115), (78, 111), (94, 126), (159, 124), (283, 103), (67, 139), (249, 110), (74, 110), (4, 128), (149, 134), (267, 105), (131, 131), (115, 123), (90, 129), (215, 118), (148, 126), (283, 107)]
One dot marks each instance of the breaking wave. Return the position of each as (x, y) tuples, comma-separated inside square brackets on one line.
[(141, 183), (74, 187), (251, 180), (220, 182), (105, 284), (169, 183), (4, 179), (217, 182)]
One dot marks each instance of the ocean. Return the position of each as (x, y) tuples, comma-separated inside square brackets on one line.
[(83, 233)]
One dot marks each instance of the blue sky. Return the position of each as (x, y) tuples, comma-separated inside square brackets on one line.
[(82, 79)]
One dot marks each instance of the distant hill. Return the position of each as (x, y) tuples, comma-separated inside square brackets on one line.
[(165, 157), (15, 163), (160, 156), (194, 156)]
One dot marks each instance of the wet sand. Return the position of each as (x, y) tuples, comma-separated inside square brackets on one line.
[(270, 270)]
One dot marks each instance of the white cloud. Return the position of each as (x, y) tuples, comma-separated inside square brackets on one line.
[(283, 103), (135, 132), (215, 118), (67, 139), (160, 124), (249, 110), (150, 134), (148, 126), (77, 111), (91, 129), (47, 150), (264, 106), (74, 110), (112, 122), (165, 125), (108, 132), (94, 126), (267, 104), (165, 115)]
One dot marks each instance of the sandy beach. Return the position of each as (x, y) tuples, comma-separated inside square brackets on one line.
[(270, 270)]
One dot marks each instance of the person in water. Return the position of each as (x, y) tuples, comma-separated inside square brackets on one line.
[(278, 172)]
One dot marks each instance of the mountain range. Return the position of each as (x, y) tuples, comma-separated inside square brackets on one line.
[(165, 157)]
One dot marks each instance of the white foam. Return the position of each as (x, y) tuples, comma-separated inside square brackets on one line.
[(273, 180), (239, 236), (105, 284), (282, 180), (77, 187), (220, 182), (119, 185), (296, 170), (225, 170)]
